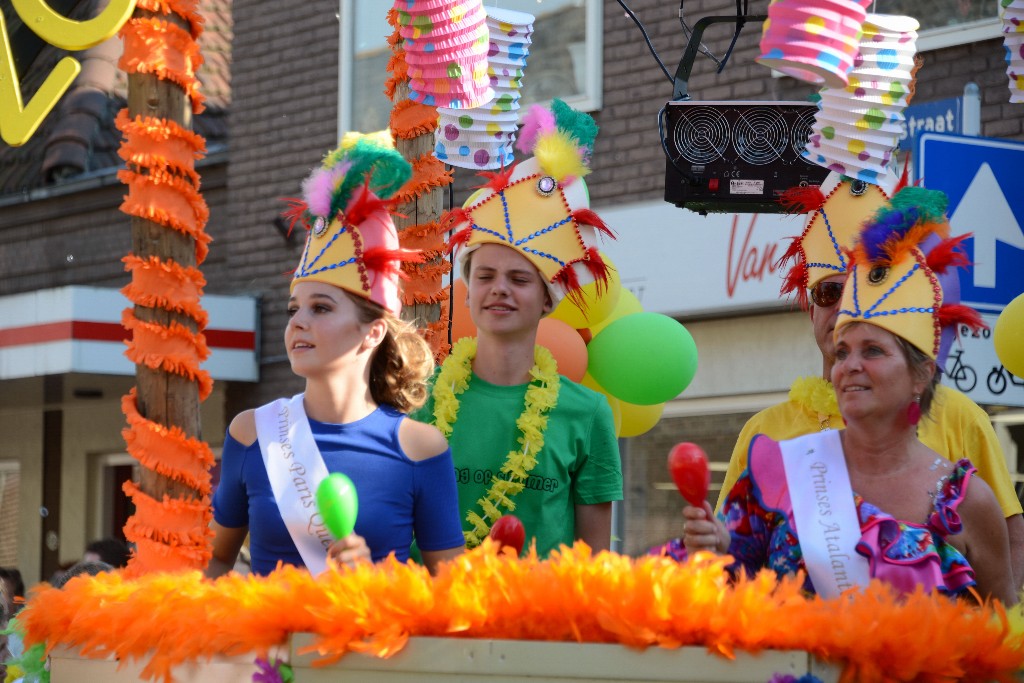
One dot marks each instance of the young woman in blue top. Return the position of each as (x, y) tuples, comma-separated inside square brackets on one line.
[(364, 369)]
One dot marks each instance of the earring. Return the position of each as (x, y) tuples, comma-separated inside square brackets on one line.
[(914, 410)]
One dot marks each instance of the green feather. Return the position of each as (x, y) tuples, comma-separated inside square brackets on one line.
[(575, 123), (388, 170), (930, 204)]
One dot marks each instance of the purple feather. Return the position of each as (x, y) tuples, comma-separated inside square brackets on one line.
[(318, 188), (886, 228), (278, 672)]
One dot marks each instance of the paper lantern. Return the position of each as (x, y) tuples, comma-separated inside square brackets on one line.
[(857, 127), (481, 138), (813, 40), (446, 44), (1012, 15)]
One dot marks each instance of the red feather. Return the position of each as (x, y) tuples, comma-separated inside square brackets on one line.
[(802, 199), (589, 217), (570, 283), (295, 213), (598, 269), (948, 253), (451, 219), (903, 181), (459, 239), (363, 206), (958, 314), (388, 262), (497, 180), (795, 280)]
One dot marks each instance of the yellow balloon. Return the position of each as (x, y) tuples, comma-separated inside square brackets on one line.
[(1008, 336), (637, 420), (616, 406), (596, 307), (626, 305), (614, 403)]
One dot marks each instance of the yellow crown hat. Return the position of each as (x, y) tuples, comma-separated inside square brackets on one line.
[(893, 284), (541, 207), (837, 211), (352, 242)]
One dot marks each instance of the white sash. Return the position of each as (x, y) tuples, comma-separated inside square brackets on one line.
[(295, 468), (824, 512)]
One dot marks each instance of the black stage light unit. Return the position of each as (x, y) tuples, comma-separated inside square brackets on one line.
[(737, 156)]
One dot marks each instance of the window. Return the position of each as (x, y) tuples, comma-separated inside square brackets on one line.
[(564, 62), (10, 476), (109, 506), (946, 22)]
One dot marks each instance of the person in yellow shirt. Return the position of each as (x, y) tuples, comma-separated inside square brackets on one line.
[(956, 427)]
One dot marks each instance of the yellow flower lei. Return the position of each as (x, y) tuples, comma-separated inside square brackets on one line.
[(541, 397), (817, 395)]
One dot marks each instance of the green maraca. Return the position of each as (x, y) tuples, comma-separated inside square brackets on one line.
[(338, 504)]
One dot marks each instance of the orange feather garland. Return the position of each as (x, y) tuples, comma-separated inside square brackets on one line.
[(169, 200), (163, 188), (409, 120), (156, 46), (186, 9), (573, 596), (167, 285), (172, 347)]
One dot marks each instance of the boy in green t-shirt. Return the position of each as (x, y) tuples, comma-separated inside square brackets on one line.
[(525, 440)]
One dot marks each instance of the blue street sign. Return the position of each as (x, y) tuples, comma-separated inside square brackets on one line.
[(985, 185), (941, 116)]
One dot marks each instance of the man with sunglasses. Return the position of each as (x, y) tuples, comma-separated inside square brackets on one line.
[(958, 427)]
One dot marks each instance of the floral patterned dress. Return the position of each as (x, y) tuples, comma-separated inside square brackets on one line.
[(903, 553)]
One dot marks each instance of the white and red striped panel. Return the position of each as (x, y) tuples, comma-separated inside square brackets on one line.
[(78, 329)]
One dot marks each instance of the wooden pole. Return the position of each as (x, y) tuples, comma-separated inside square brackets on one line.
[(165, 398), (425, 208)]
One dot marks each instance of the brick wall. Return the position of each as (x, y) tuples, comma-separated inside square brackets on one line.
[(653, 505), (284, 118), (79, 238)]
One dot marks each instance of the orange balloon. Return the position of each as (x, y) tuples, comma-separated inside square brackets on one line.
[(566, 345), (462, 322)]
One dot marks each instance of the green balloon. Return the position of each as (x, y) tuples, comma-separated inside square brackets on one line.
[(338, 504), (643, 358)]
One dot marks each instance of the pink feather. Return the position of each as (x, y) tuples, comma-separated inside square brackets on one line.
[(318, 188), (537, 121)]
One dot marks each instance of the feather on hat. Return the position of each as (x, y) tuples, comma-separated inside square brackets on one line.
[(893, 284), (346, 208), (541, 207)]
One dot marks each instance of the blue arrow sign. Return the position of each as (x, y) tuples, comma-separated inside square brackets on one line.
[(985, 185)]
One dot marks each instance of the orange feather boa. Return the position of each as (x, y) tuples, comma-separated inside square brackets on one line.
[(169, 619)]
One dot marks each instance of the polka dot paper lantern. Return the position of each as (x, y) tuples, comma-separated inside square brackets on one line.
[(446, 44), (857, 127), (813, 40), (1012, 15), (482, 138)]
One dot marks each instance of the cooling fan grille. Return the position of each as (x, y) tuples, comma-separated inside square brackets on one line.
[(761, 135), (702, 135), (737, 156)]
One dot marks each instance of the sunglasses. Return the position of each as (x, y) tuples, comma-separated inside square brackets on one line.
[(827, 294)]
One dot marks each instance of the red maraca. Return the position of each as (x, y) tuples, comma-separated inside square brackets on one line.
[(689, 467), (509, 531)]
